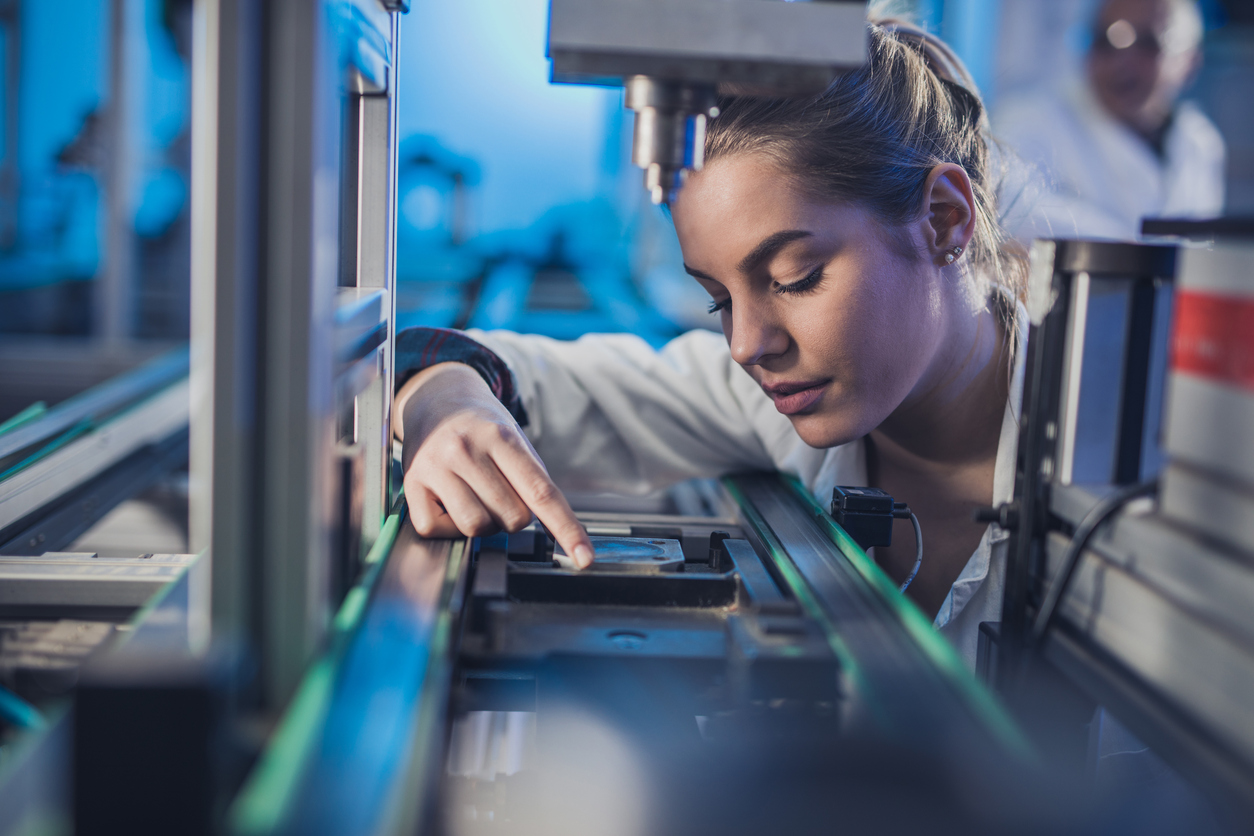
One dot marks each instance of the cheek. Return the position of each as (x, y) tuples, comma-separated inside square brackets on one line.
[(877, 345), (876, 323)]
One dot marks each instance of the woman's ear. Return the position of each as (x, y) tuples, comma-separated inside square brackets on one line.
[(948, 219)]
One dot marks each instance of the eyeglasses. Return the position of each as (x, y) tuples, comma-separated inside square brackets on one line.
[(1122, 35)]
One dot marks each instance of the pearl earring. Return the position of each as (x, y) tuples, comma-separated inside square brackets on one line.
[(952, 254)]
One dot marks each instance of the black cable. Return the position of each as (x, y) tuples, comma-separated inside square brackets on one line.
[(1092, 521), (918, 551), (902, 511)]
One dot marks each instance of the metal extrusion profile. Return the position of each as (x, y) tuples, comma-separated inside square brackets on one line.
[(57, 524), (361, 328), (344, 761), (43, 481), (1147, 577), (88, 581), (97, 403), (881, 638), (364, 30)]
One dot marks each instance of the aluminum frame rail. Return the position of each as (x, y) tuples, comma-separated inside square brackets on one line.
[(368, 231), (96, 404), (880, 637), (1155, 625), (294, 172), (73, 464), (1063, 276), (358, 749)]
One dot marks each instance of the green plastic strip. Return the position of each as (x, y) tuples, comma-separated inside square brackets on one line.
[(405, 811), (24, 417), (271, 787), (269, 791), (920, 628), (65, 438), (18, 711), (355, 601)]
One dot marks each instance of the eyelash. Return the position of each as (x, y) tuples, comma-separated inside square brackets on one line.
[(799, 286), (802, 285)]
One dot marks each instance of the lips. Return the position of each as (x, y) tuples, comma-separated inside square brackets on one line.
[(793, 397)]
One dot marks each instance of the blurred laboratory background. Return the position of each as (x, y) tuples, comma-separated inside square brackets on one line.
[(518, 204)]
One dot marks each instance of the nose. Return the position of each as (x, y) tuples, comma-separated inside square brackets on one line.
[(753, 334)]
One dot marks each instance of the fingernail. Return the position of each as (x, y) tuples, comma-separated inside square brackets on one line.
[(583, 557)]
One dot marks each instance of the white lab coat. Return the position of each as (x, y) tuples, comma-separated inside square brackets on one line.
[(1098, 177), (608, 412)]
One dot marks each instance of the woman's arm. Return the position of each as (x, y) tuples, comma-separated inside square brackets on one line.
[(610, 412), (606, 412), (469, 469)]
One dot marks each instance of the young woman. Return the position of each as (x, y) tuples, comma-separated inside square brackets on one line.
[(850, 247)]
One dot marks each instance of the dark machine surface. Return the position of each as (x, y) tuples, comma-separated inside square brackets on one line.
[(769, 680)]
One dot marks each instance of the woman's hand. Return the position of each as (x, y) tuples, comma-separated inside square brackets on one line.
[(469, 470)]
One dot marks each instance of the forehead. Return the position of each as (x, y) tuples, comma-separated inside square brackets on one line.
[(736, 201), (738, 185)]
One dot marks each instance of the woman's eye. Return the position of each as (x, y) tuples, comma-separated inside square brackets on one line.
[(715, 307), (802, 285)]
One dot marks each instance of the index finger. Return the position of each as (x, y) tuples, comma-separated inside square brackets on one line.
[(531, 482)]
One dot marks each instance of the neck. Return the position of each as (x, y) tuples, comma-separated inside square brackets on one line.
[(956, 416)]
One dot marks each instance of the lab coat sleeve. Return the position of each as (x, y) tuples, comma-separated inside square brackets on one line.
[(609, 412)]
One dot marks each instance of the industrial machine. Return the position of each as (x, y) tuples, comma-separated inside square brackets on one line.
[(734, 662), (1128, 582), (754, 652), (674, 57)]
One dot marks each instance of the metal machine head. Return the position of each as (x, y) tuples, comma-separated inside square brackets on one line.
[(674, 57)]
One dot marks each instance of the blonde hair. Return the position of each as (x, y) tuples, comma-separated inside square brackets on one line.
[(873, 137)]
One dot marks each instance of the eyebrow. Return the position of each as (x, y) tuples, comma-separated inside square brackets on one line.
[(770, 245)]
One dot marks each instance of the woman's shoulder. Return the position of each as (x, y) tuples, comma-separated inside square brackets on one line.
[(697, 352)]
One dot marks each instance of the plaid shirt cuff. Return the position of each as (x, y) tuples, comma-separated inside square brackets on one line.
[(421, 348)]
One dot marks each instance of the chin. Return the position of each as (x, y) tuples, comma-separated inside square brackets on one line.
[(824, 430)]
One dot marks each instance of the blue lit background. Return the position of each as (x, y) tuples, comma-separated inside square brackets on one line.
[(53, 190), (519, 206)]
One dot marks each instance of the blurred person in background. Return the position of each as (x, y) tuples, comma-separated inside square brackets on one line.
[(1118, 145)]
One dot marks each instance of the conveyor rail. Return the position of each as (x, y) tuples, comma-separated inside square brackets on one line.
[(361, 748)]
